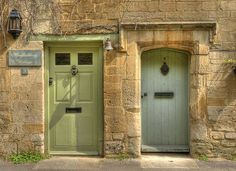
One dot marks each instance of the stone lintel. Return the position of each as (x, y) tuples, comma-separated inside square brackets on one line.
[(167, 26), (197, 25)]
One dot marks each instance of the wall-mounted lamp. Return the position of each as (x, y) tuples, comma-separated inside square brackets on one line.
[(107, 45), (14, 23)]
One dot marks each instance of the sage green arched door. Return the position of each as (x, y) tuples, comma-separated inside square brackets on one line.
[(164, 101), (75, 100)]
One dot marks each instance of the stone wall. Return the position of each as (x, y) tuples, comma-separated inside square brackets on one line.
[(216, 108), (221, 109), (21, 97), (21, 114), (212, 127)]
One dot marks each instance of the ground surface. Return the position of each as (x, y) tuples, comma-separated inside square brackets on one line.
[(162, 162)]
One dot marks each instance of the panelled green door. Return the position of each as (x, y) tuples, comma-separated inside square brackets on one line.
[(164, 101), (74, 97)]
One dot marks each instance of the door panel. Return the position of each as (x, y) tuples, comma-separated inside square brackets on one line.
[(164, 119), (74, 100), (86, 87), (86, 129), (63, 84), (62, 128)]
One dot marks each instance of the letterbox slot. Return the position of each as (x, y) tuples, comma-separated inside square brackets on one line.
[(73, 110), (164, 94)]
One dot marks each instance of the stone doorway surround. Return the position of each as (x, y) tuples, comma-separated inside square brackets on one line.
[(135, 38)]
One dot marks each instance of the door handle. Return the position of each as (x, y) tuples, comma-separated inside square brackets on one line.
[(50, 81), (144, 95)]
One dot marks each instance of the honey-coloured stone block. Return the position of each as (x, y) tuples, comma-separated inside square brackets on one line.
[(115, 123), (131, 93), (230, 136), (118, 136), (217, 135), (33, 128), (133, 124)]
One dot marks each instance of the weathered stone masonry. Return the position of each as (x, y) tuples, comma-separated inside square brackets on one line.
[(22, 122), (212, 107)]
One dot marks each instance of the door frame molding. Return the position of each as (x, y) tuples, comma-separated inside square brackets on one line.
[(73, 44), (197, 71)]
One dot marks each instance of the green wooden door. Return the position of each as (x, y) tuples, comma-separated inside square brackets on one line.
[(75, 98), (164, 101)]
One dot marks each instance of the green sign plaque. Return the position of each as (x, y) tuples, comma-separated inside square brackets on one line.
[(25, 58)]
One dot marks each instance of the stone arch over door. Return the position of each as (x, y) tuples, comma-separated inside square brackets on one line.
[(193, 39)]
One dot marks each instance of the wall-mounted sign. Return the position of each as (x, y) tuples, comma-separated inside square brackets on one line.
[(25, 58)]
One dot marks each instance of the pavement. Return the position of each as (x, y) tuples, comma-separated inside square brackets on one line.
[(150, 162)]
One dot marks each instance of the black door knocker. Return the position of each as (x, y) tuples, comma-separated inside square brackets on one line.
[(74, 70), (165, 69)]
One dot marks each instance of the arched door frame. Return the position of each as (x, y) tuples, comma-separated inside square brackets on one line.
[(192, 37), (188, 60)]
